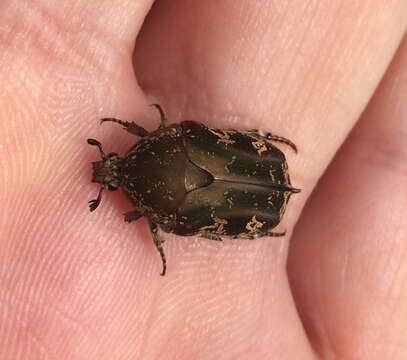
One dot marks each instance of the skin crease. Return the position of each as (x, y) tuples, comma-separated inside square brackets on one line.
[(330, 76)]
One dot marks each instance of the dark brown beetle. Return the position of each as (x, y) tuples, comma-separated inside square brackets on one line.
[(194, 180)]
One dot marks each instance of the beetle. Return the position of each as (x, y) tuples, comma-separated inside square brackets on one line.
[(191, 179)]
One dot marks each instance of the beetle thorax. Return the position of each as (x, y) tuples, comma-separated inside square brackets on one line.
[(108, 171)]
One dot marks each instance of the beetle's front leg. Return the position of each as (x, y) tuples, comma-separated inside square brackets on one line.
[(271, 137), (131, 127), (158, 244)]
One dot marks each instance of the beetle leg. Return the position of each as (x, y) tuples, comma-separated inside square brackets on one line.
[(131, 127), (131, 216), (94, 203), (271, 137), (264, 233), (271, 233), (248, 236), (210, 235), (158, 244), (162, 115)]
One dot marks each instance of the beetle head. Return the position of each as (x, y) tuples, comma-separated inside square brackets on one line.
[(105, 172)]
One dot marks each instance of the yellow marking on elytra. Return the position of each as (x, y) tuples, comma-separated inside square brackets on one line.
[(230, 163), (269, 200), (217, 226), (230, 201), (284, 205), (260, 146), (254, 225), (223, 136), (271, 172), (284, 167)]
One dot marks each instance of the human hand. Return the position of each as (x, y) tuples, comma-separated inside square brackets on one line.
[(76, 285)]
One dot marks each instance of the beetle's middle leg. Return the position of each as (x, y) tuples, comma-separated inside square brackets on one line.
[(158, 244), (135, 129), (271, 137), (131, 127)]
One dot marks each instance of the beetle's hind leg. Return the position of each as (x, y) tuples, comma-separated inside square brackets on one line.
[(210, 235), (131, 127), (267, 233), (275, 234), (271, 137), (158, 244), (258, 235)]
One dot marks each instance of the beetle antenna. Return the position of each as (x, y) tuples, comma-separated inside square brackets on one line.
[(99, 145), (93, 204)]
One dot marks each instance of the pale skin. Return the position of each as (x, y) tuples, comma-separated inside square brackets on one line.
[(330, 76)]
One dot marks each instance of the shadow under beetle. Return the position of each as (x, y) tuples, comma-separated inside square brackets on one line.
[(194, 180)]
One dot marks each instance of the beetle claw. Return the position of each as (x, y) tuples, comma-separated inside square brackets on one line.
[(94, 203), (162, 115)]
